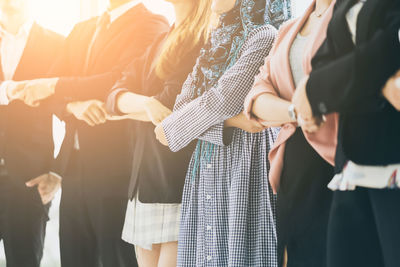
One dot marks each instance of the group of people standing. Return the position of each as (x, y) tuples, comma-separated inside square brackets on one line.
[(236, 137)]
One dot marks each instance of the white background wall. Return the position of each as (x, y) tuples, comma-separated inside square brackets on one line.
[(63, 15)]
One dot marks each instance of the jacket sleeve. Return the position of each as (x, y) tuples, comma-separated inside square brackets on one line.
[(353, 82), (98, 86), (203, 117)]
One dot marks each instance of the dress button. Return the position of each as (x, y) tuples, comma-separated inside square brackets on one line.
[(209, 227), (209, 258), (209, 166), (208, 197)]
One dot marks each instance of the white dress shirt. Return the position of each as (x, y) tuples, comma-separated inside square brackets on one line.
[(119, 11), (11, 49)]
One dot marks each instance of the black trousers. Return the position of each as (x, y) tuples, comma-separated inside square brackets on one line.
[(91, 225), (23, 220), (303, 205), (364, 229)]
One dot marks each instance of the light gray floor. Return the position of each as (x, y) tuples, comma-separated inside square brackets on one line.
[(51, 256)]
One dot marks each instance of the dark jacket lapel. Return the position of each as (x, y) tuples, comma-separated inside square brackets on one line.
[(106, 40), (367, 17)]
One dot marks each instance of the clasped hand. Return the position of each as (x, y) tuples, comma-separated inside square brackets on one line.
[(31, 92), (93, 112), (305, 118), (391, 91)]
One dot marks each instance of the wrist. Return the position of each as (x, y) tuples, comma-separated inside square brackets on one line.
[(397, 83), (292, 113)]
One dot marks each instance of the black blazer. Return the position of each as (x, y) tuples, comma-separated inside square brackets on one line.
[(26, 140), (157, 173), (348, 79), (104, 150)]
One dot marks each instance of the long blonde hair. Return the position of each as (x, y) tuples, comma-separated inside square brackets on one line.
[(185, 37)]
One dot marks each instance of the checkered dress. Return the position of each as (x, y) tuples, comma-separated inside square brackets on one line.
[(228, 210)]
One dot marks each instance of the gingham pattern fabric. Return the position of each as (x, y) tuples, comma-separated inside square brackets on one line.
[(153, 223), (228, 208)]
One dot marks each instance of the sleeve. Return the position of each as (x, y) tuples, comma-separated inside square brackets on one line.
[(204, 116), (168, 96), (129, 81), (353, 82), (262, 85), (4, 101), (98, 86), (173, 86)]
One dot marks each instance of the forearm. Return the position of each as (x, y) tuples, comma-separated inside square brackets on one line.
[(129, 103), (271, 109)]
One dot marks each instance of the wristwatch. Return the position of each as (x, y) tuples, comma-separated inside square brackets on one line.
[(292, 113)]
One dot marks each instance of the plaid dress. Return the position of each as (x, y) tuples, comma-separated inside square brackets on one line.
[(228, 208)]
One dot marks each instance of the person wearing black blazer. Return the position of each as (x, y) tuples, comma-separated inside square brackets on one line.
[(95, 167), (26, 145), (361, 52)]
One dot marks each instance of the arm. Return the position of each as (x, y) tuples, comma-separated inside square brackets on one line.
[(192, 120), (353, 82), (263, 102)]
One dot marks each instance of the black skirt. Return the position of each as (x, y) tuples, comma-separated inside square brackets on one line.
[(303, 204)]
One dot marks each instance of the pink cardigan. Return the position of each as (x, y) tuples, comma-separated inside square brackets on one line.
[(276, 78)]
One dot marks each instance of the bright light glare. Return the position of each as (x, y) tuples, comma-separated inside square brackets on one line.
[(61, 15), (57, 15)]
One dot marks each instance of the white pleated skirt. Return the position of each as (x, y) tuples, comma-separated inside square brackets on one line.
[(151, 223)]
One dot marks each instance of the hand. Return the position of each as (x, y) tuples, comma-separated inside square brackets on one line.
[(37, 90), (156, 111), (391, 91), (160, 135), (15, 90), (47, 186), (240, 121), (300, 101), (92, 112), (312, 125)]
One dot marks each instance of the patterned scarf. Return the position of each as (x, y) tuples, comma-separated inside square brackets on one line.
[(223, 47)]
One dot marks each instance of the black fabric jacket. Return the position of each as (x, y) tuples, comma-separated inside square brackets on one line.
[(104, 149), (26, 141), (348, 79), (157, 173)]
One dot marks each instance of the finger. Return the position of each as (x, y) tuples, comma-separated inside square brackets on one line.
[(94, 116), (88, 120), (35, 181), (100, 114)]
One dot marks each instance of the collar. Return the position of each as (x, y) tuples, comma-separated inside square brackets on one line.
[(23, 31), (119, 11)]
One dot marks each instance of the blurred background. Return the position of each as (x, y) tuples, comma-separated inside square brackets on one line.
[(61, 16)]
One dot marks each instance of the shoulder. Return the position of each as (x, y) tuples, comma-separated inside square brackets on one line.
[(148, 15), (48, 34), (260, 37), (84, 26)]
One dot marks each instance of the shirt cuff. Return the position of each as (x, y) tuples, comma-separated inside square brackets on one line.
[(4, 101), (55, 175)]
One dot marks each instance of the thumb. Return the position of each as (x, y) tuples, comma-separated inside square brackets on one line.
[(35, 181)]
